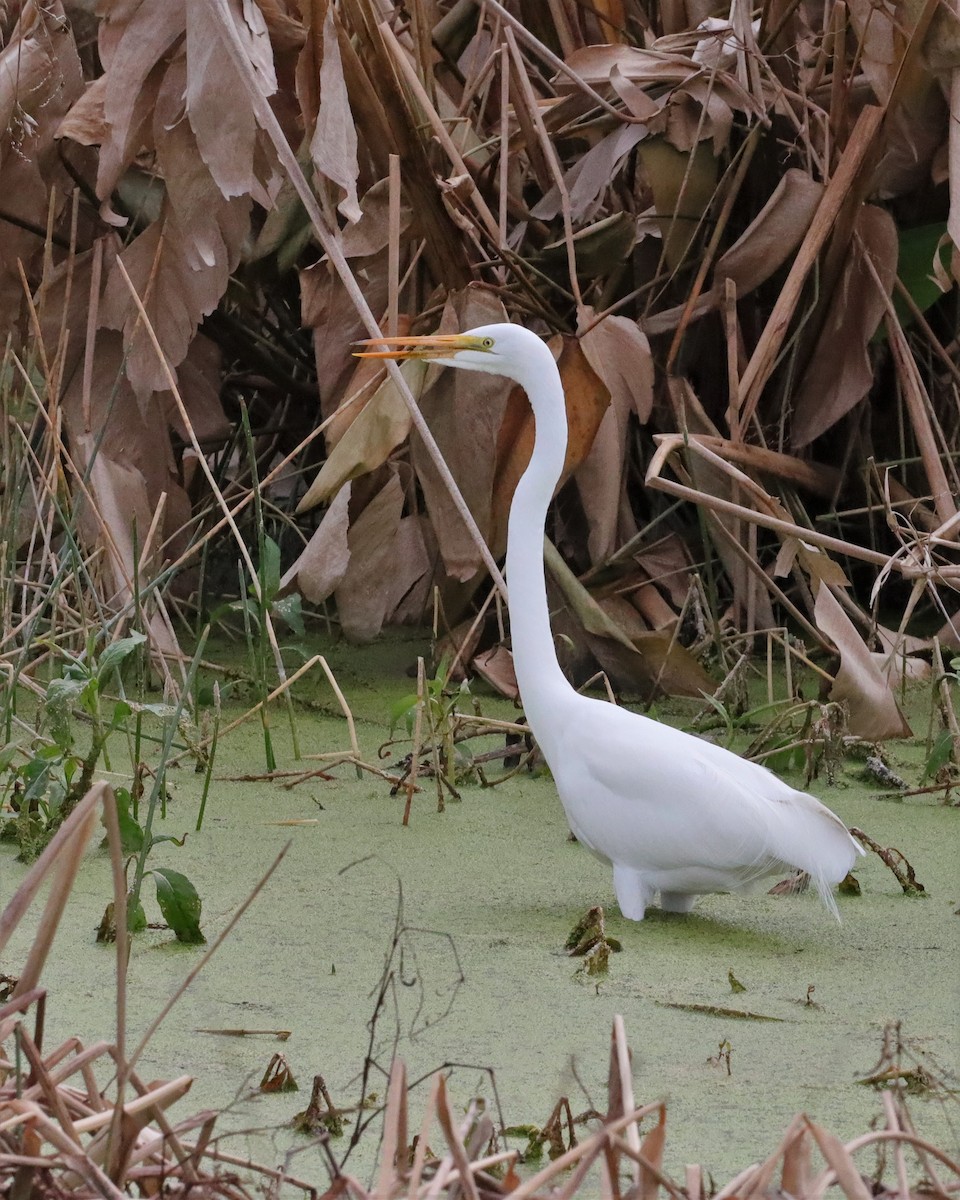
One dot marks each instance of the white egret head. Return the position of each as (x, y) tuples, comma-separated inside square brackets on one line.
[(500, 349)]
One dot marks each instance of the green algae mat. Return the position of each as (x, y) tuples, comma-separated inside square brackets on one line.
[(443, 941)]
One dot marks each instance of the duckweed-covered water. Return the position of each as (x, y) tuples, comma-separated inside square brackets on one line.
[(490, 890)]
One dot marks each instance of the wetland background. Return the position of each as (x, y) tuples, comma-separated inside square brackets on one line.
[(738, 230)]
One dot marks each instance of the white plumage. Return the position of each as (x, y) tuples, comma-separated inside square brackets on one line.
[(671, 813)]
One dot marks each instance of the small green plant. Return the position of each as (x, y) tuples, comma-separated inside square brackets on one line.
[(439, 702), (43, 790), (177, 898), (259, 608), (43, 781)]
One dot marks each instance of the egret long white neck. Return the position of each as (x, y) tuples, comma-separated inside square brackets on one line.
[(539, 676)]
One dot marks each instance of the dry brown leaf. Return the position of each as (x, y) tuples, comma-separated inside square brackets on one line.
[(326, 308), (382, 424), (495, 666), (619, 353), (371, 233), (40, 77), (285, 30), (840, 372), (633, 657), (774, 234), (198, 378), (639, 104), (599, 481), (323, 562), (222, 120), (649, 602), (133, 42), (410, 584), (85, 123), (366, 378), (464, 410), (873, 710), (591, 175), (767, 242), (181, 262), (697, 111), (363, 594), (596, 64), (202, 216), (333, 147), (134, 438), (176, 290), (620, 356), (895, 668), (118, 505)]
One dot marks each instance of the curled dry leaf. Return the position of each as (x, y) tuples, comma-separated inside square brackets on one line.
[(633, 657), (40, 77), (840, 372), (333, 147), (366, 379), (619, 354), (873, 710), (409, 588), (763, 247), (464, 410), (322, 563), (222, 120), (326, 309), (599, 480), (496, 667), (175, 292), (365, 592), (381, 426)]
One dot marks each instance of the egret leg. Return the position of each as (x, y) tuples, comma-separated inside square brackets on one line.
[(633, 894), (678, 902)]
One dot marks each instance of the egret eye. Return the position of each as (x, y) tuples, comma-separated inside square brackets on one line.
[(487, 343)]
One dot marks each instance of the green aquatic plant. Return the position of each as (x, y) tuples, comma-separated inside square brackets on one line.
[(82, 711), (56, 769)]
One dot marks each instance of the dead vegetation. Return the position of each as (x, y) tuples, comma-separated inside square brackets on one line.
[(661, 193), (78, 1121), (739, 229)]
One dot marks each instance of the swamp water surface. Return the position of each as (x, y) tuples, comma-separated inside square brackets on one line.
[(491, 888)]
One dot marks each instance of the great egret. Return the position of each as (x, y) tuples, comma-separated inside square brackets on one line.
[(671, 813)]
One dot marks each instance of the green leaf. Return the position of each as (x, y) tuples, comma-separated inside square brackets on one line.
[(939, 754), (90, 696), (163, 711), (136, 917), (131, 835), (289, 610), (179, 904), (915, 267), (7, 754), (403, 710), (60, 697), (270, 568), (116, 653)]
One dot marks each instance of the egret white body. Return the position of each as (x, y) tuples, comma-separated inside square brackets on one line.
[(670, 812)]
